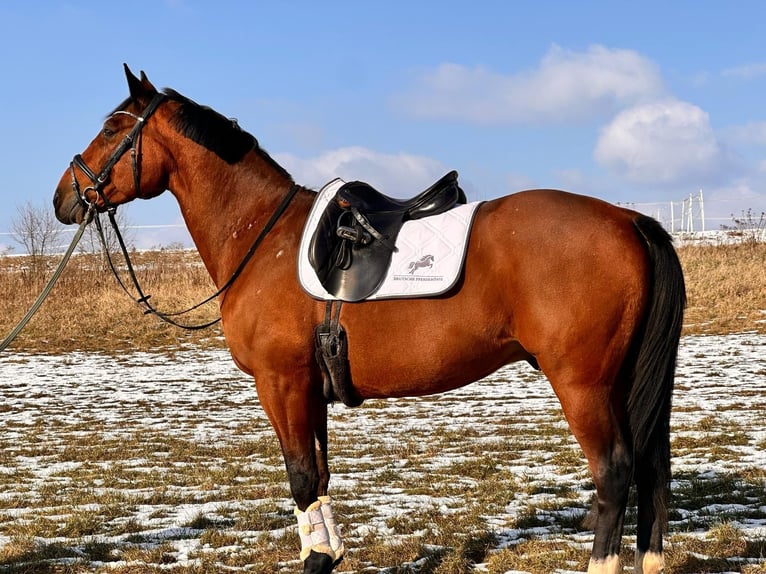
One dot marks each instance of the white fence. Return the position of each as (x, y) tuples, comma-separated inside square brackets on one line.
[(689, 215), (685, 216)]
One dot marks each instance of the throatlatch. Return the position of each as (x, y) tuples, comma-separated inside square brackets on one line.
[(331, 351)]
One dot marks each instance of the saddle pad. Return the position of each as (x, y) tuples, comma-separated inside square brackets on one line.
[(429, 257)]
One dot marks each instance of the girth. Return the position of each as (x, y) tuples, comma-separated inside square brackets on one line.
[(352, 246)]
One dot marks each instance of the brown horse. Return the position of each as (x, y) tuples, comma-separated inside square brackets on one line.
[(591, 293)]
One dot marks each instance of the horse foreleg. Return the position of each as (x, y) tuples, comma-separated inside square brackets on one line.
[(336, 541), (300, 421)]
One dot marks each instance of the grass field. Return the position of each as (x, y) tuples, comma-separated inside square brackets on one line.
[(142, 462)]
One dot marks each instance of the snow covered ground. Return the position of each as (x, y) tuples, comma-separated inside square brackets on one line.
[(181, 417)]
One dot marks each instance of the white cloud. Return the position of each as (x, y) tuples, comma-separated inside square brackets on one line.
[(747, 71), (665, 142), (397, 175), (566, 86)]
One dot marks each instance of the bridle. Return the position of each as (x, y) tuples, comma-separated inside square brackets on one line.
[(131, 142)]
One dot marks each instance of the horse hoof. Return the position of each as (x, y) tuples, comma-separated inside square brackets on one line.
[(318, 563)]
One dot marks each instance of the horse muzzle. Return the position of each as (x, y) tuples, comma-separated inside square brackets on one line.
[(68, 207)]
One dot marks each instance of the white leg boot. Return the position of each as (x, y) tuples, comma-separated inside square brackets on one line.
[(336, 542), (313, 532)]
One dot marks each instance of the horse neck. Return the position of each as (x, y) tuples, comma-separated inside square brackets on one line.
[(226, 206)]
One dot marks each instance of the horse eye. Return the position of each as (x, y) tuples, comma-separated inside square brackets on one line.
[(107, 132)]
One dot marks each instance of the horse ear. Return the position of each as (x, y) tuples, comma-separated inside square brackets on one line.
[(148, 86), (139, 88)]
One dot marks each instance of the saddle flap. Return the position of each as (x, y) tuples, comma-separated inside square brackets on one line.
[(351, 270)]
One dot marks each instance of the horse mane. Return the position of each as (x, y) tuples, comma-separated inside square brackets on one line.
[(214, 131)]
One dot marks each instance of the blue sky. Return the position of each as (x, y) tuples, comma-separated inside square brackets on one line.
[(635, 102)]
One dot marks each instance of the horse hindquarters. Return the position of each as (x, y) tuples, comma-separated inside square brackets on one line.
[(613, 374), (649, 401), (650, 371)]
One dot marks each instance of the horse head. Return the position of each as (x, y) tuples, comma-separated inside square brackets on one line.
[(124, 161)]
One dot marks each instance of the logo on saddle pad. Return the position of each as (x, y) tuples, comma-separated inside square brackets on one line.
[(415, 265), (422, 263)]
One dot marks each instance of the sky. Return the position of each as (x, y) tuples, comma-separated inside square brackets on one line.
[(638, 103)]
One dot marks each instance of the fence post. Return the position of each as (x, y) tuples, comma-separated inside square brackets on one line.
[(690, 220), (672, 219)]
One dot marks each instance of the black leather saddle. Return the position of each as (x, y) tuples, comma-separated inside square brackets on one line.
[(352, 246)]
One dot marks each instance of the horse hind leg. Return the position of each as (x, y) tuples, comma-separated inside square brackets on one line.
[(612, 476), (591, 418), (652, 486)]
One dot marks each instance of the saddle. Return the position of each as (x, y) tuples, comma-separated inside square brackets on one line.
[(356, 235)]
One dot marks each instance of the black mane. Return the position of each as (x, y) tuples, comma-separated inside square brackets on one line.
[(214, 131), (211, 129)]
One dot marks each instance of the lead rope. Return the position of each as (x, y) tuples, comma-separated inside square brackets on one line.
[(44, 293), (142, 298)]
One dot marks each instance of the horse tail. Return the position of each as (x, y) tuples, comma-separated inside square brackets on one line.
[(649, 400)]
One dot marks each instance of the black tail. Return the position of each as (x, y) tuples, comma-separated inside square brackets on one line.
[(650, 397)]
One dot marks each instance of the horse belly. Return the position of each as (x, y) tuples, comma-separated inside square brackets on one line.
[(407, 353)]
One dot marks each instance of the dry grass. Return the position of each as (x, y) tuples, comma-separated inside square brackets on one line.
[(725, 288), (87, 310)]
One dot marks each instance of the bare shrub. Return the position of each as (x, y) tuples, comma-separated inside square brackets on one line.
[(749, 226), (99, 249), (37, 229)]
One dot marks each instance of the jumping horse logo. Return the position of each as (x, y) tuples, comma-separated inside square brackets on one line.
[(425, 261)]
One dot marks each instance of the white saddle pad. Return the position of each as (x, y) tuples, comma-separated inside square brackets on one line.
[(429, 257)]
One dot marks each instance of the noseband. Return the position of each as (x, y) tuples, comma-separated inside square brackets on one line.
[(129, 142)]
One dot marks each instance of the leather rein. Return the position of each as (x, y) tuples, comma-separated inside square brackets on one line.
[(131, 142)]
